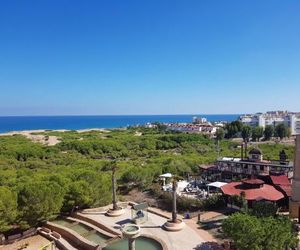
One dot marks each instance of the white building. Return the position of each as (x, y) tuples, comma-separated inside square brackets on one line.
[(292, 120), (199, 120), (207, 128)]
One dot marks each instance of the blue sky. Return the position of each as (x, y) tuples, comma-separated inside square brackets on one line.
[(62, 57)]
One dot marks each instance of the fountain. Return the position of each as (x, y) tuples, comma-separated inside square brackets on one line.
[(175, 224), (131, 232), (116, 210)]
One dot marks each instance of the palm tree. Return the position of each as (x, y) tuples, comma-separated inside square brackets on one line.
[(116, 210), (114, 188), (174, 211), (174, 224)]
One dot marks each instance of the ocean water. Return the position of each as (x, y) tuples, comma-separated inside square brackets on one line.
[(18, 123)]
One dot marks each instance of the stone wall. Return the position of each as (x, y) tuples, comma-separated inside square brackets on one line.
[(294, 209), (16, 237), (97, 224)]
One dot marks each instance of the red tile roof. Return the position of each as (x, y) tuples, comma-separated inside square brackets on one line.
[(283, 183), (280, 180), (253, 181), (287, 189), (265, 192)]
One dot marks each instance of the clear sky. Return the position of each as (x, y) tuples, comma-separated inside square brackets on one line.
[(149, 56)]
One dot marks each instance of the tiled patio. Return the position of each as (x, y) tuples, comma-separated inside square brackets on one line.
[(186, 239)]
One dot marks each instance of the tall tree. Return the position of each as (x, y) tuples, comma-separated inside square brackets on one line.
[(233, 129), (8, 208), (79, 195), (288, 132), (268, 132), (281, 131), (174, 194), (257, 133), (246, 133), (39, 201), (220, 133)]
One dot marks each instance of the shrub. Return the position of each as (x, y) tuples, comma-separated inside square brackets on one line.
[(214, 202), (251, 232)]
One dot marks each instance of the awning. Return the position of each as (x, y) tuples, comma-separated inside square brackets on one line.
[(217, 184), (167, 175)]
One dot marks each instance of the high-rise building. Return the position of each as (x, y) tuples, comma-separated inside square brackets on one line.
[(291, 120)]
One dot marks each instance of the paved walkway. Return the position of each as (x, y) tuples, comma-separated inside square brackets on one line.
[(193, 223), (187, 239), (34, 243), (210, 215)]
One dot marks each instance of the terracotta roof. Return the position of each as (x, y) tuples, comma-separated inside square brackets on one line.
[(287, 189), (280, 180), (265, 192), (283, 183), (253, 181)]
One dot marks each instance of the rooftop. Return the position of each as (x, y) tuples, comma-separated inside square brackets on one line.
[(264, 192), (253, 181)]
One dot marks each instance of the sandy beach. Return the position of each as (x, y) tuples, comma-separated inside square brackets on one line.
[(47, 140)]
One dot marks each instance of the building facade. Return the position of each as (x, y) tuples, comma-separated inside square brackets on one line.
[(206, 128), (291, 120), (254, 165)]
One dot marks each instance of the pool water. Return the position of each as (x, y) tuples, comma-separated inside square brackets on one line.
[(97, 238), (141, 243), (64, 223), (85, 231)]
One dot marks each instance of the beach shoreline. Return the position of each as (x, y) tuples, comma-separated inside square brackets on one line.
[(36, 135), (31, 131)]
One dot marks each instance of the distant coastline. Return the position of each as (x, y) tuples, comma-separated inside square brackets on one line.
[(25, 123), (38, 135)]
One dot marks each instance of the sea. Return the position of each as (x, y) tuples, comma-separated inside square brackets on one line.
[(19, 123)]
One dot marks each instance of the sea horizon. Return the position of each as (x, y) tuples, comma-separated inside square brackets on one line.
[(210, 114), (76, 122)]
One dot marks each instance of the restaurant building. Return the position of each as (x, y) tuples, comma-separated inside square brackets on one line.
[(228, 169), (253, 190)]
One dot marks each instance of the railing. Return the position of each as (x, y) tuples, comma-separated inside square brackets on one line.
[(240, 170)]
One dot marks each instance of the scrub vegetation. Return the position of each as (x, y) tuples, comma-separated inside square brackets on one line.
[(37, 182)]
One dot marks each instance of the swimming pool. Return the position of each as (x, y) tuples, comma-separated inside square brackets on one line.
[(83, 230), (141, 243)]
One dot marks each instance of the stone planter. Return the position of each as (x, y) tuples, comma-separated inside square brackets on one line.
[(174, 226)]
